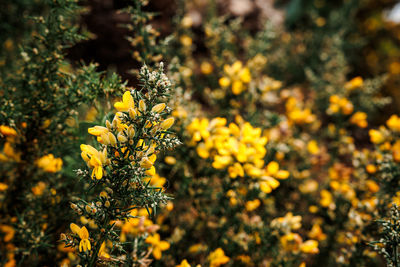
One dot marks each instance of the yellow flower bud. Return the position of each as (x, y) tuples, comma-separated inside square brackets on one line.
[(121, 138), (142, 106), (132, 113), (131, 132), (170, 160), (105, 139), (109, 126), (224, 82), (158, 108), (113, 140), (166, 124)]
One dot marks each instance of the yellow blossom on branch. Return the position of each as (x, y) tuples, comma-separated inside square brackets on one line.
[(83, 234), (158, 245), (95, 159)]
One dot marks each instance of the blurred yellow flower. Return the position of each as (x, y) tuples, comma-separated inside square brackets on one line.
[(376, 136), (218, 258), (184, 263), (236, 76), (158, 245), (359, 119), (49, 163), (354, 83)]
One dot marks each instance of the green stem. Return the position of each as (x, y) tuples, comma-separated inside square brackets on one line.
[(94, 257), (96, 251)]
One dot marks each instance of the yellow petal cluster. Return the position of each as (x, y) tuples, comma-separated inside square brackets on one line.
[(359, 119), (297, 114), (237, 147), (49, 163), (218, 258), (236, 76), (340, 105), (83, 234)]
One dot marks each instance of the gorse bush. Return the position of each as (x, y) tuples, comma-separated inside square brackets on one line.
[(123, 168), (241, 141)]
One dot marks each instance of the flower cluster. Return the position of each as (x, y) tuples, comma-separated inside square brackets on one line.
[(238, 147), (236, 76), (292, 241)]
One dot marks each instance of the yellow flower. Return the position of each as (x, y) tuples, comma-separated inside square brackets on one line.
[(396, 151), (237, 76), (196, 248), (309, 186), (187, 21), (312, 147), (206, 68), (142, 106), (83, 234), (393, 123), (224, 82), (287, 223), (184, 263), (326, 198), (376, 136), (310, 247), (126, 104), (49, 163), (103, 252), (371, 168), (218, 258), (198, 128), (316, 232), (157, 245), (341, 104), (252, 204), (236, 170), (7, 131), (38, 189), (273, 170), (9, 153), (186, 40), (372, 186), (360, 119), (94, 159), (3, 187), (97, 130), (297, 114), (267, 184), (11, 263), (354, 83), (146, 163), (291, 242), (9, 232), (156, 180), (220, 162)]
